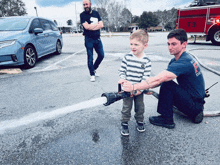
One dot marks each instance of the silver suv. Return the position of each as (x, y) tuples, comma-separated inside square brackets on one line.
[(24, 39)]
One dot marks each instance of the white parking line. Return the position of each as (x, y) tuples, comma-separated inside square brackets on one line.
[(62, 60)]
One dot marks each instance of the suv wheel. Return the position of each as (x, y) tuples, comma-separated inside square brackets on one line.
[(30, 57), (58, 48)]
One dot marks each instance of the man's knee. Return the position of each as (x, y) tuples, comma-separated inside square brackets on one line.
[(167, 86), (100, 53)]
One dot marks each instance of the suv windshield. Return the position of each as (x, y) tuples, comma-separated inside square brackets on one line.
[(13, 24)]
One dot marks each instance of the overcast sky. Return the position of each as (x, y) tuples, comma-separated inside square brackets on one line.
[(63, 10)]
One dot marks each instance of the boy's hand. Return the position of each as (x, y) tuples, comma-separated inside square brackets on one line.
[(121, 81), (128, 87), (138, 92), (149, 93)]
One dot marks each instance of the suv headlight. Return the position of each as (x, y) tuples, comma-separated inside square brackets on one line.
[(7, 43)]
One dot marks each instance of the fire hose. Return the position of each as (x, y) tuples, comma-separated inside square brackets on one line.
[(116, 96)]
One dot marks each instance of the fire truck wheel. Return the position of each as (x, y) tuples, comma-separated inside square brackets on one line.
[(215, 38)]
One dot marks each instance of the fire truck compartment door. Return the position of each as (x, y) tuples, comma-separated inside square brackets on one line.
[(193, 20)]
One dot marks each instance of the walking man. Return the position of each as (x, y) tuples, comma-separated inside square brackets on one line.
[(92, 23)]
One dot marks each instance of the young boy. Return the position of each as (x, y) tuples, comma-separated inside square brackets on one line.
[(135, 67)]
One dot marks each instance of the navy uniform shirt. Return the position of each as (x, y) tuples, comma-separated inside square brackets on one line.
[(92, 18), (189, 75)]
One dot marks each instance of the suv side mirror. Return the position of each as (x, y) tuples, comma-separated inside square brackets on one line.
[(38, 30)]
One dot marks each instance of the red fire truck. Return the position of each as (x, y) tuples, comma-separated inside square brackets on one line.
[(200, 21)]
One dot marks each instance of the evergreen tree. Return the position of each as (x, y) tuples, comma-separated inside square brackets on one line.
[(12, 8), (147, 19)]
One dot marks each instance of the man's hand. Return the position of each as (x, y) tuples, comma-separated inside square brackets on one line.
[(86, 24), (96, 26)]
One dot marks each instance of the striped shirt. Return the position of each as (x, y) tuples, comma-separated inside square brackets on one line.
[(135, 69)]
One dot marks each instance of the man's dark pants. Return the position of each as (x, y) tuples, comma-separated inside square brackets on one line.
[(172, 94), (91, 43)]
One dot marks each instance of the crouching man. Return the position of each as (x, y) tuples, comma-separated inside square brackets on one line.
[(188, 95)]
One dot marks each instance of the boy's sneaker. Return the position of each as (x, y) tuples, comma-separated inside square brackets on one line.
[(140, 126), (96, 74), (124, 129), (92, 78), (162, 121), (198, 118)]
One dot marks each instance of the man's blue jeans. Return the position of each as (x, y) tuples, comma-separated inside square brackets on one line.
[(172, 94), (91, 43)]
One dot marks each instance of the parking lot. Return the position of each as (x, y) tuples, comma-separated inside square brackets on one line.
[(92, 135), (73, 53)]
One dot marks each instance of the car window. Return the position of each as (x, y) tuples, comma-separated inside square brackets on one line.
[(53, 25), (45, 24), (35, 24)]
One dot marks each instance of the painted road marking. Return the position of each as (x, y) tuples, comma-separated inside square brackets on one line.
[(54, 64)]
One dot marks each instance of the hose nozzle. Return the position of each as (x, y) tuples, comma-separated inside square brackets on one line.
[(115, 96)]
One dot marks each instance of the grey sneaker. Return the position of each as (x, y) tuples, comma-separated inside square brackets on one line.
[(140, 126), (124, 129), (92, 78)]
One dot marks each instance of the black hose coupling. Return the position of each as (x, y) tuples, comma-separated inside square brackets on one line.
[(115, 96)]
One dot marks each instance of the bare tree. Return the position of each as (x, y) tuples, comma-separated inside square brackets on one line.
[(166, 16), (117, 15), (126, 15), (102, 4), (115, 10)]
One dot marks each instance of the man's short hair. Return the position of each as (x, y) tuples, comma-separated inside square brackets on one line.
[(88, 0), (141, 35), (179, 34)]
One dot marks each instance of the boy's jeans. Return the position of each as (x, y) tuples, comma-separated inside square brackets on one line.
[(172, 94), (91, 43), (138, 108)]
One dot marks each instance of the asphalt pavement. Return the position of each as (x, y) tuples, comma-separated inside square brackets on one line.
[(92, 136)]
